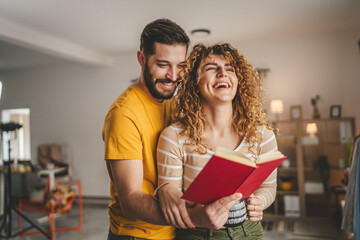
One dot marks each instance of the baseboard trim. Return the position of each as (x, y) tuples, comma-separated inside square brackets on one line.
[(96, 200), (90, 197)]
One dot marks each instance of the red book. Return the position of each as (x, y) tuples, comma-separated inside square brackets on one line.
[(228, 172)]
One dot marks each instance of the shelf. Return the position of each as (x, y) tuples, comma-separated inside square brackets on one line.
[(293, 169), (314, 194), (315, 120), (280, 144), (287, 169), (322, 143), (286, 140), (284, 192), (286, 121), (331, 133), (329, 119)]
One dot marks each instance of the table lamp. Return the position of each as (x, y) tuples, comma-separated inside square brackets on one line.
[(277, 107), (311, 129)]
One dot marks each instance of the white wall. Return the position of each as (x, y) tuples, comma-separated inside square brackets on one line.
[(68, 103), (302, 67), (67, 106)]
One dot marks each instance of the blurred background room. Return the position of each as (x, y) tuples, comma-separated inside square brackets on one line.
[(62, 63)]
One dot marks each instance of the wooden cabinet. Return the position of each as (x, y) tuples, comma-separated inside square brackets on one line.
[(328, 147)]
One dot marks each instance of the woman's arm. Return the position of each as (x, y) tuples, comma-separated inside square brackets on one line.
[(265, 195), (170, 171), (267, 190)]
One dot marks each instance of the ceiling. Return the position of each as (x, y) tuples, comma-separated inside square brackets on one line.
[(38, 32)]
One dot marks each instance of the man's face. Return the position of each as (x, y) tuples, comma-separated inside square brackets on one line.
[(162, 69)]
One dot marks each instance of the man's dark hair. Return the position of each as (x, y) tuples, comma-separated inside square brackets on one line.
[(162, 31)]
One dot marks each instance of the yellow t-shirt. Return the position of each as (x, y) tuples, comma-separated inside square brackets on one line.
[(131, 130)]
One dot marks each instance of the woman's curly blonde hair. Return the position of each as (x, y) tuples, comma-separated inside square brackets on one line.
[(247, 104)]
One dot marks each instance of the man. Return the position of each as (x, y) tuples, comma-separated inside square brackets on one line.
[(131, 129)]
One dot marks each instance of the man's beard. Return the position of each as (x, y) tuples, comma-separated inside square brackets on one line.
[(150, 83)]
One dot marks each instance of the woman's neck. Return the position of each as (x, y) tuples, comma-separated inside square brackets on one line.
[(218, 118), (218, 130)]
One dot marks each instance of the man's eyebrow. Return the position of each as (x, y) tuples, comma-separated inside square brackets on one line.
[(165, 61), (162, 61)]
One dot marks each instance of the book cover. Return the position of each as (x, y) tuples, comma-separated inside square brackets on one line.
[(228, 172)]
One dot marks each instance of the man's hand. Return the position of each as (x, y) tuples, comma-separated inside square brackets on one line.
[(255, 208), (213, 215), (173, 207)]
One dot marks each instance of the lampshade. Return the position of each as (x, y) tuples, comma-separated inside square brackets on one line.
[(276, 106), (311, 129)]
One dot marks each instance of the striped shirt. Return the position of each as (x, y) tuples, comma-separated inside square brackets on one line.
[(179, 164)]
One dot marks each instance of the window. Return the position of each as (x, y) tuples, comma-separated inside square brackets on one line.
[(19, 139)]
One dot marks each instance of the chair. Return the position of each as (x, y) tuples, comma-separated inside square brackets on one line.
[(56, 201), (49, 156)]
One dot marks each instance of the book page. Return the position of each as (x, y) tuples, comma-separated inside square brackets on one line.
[(234, 156), (240, 158), (269, 157)]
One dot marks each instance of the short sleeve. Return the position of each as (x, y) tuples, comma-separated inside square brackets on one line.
[(122, 135)]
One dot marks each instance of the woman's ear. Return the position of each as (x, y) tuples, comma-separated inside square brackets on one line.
[(141, 58)]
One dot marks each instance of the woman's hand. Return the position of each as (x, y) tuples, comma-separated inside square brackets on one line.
[(254, 208), (214, 214), (173, 207)]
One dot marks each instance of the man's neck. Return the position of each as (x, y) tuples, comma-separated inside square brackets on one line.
[(141, 84)]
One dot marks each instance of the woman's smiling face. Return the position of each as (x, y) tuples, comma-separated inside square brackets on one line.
[(218, 81)]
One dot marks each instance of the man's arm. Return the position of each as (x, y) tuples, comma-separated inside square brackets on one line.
[(212, 215), (128, 179)]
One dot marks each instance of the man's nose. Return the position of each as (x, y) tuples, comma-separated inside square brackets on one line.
[(173, 74)]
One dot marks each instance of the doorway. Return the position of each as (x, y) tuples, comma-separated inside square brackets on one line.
[(19, 139)]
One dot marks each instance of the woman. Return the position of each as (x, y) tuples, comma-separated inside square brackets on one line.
[(218, 103)]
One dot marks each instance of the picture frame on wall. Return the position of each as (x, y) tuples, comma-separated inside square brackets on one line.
[(295, 112), (335, 111)]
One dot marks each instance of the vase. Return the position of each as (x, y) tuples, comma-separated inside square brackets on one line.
[(286, 185)]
